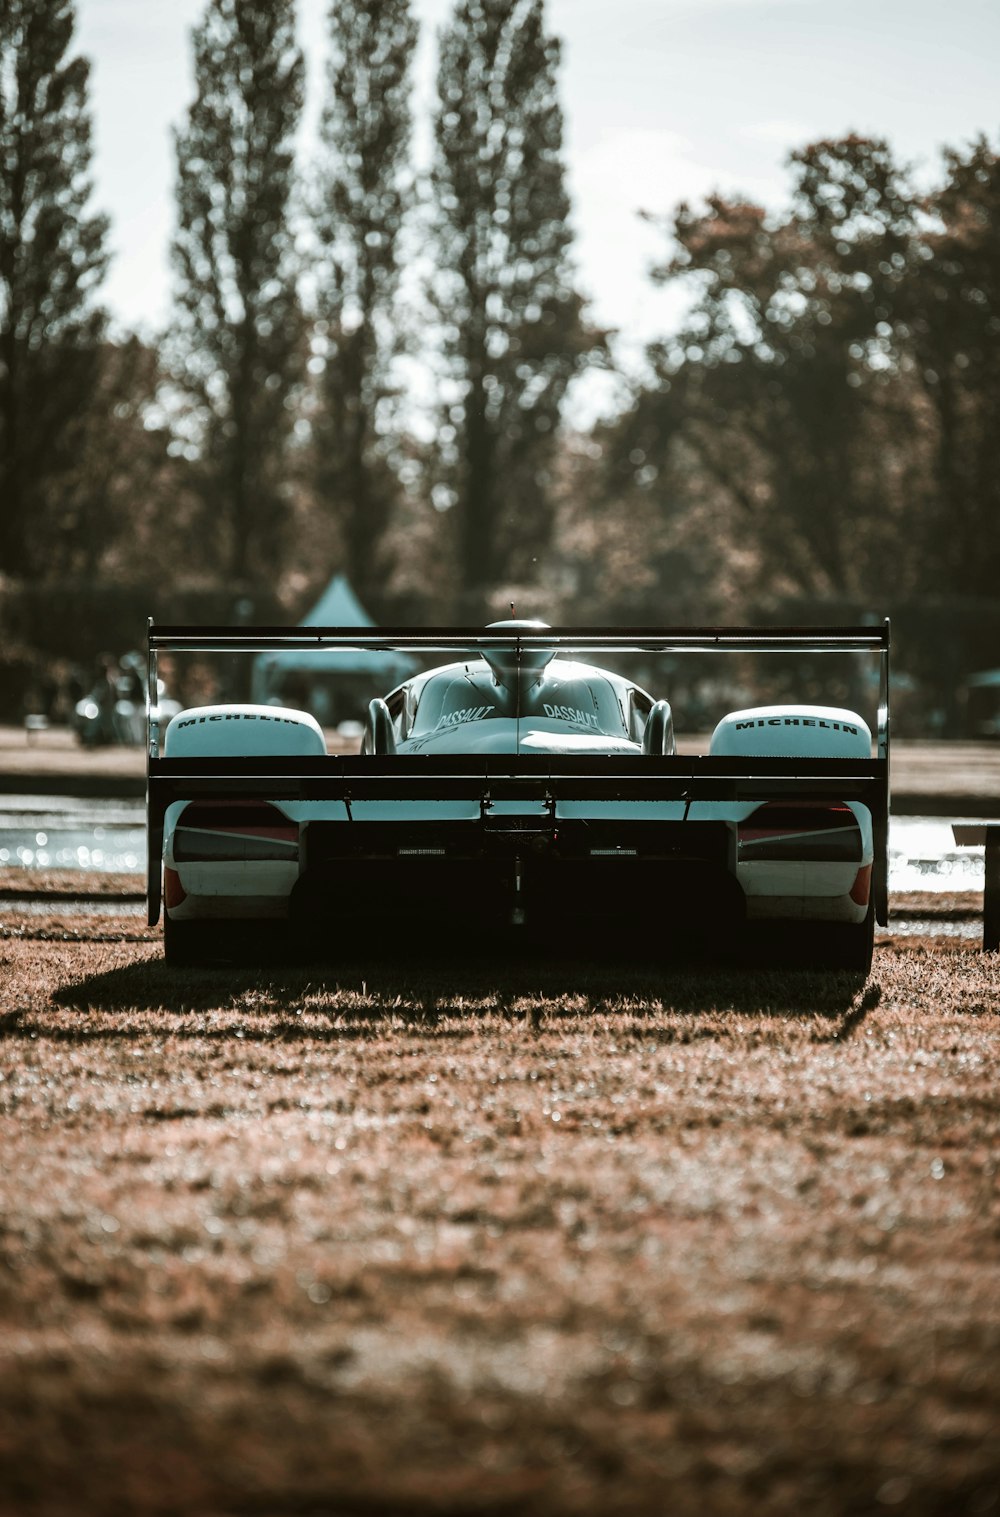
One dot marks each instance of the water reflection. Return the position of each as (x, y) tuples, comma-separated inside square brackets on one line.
[(62, 832), (923, 855)]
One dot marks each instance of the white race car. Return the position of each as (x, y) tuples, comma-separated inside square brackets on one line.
[(521, 788)]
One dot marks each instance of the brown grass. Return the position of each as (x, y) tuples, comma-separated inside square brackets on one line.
[(476, 1238), (107, 884)]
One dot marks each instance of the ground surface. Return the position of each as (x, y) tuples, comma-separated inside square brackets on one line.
[(58, 754), (461, 1238)]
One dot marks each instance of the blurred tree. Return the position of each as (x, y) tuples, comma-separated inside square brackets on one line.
[(52, 258), (785, 383), (953, 322), (651, 541), (512, 322), (126, 510), (237, 341), (363, 190)]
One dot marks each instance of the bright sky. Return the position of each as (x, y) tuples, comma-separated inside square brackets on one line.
[(663, 99)]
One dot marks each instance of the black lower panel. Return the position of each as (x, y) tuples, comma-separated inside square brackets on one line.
[(657, 900), (666, 891), (330, 846), (407, 891)]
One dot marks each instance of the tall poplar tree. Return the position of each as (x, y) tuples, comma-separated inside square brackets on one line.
[(784, 387), (363, 190), (237, 339), (954, 325), (513, 329), (52, 258)]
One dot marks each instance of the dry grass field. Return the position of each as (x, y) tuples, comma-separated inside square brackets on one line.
[(469, 1237)]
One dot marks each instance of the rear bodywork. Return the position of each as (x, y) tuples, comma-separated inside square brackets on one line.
[(515, 812)]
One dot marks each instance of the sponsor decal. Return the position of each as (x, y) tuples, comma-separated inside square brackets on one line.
[(571, 714), (796, 721), (238, 716), (467, 714)]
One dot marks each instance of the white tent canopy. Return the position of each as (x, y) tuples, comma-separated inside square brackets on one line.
[(338, 606)]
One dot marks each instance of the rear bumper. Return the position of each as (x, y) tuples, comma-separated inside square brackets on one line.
[(395, 857), (813, 908), (537, 864), (231, 908)]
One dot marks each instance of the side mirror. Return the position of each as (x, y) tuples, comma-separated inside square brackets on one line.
[(658, 737), (379, 737)]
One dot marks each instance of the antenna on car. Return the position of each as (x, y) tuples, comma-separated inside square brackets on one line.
[(513, 613)]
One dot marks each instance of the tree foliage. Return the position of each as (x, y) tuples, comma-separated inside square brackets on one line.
[(836, 380), (52, 259), (779, 378), (237, 342), (513, 330), (128, 509), (364, 187), (951, 327)]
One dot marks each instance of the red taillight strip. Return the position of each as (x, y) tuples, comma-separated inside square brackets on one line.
[(752, 833), (229, 830), (786, 831), (288, 834), (255, 819)]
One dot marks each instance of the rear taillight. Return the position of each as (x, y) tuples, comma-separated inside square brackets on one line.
[(795, 830), (234, 830)]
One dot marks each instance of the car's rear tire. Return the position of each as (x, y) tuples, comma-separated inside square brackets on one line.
[(849, 945), (193, 945), (846, 947), (185, 944)]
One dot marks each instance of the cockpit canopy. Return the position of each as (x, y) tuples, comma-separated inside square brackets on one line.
[(574, 695)]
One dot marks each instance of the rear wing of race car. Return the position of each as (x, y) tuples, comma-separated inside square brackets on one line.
[(542, 777)]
